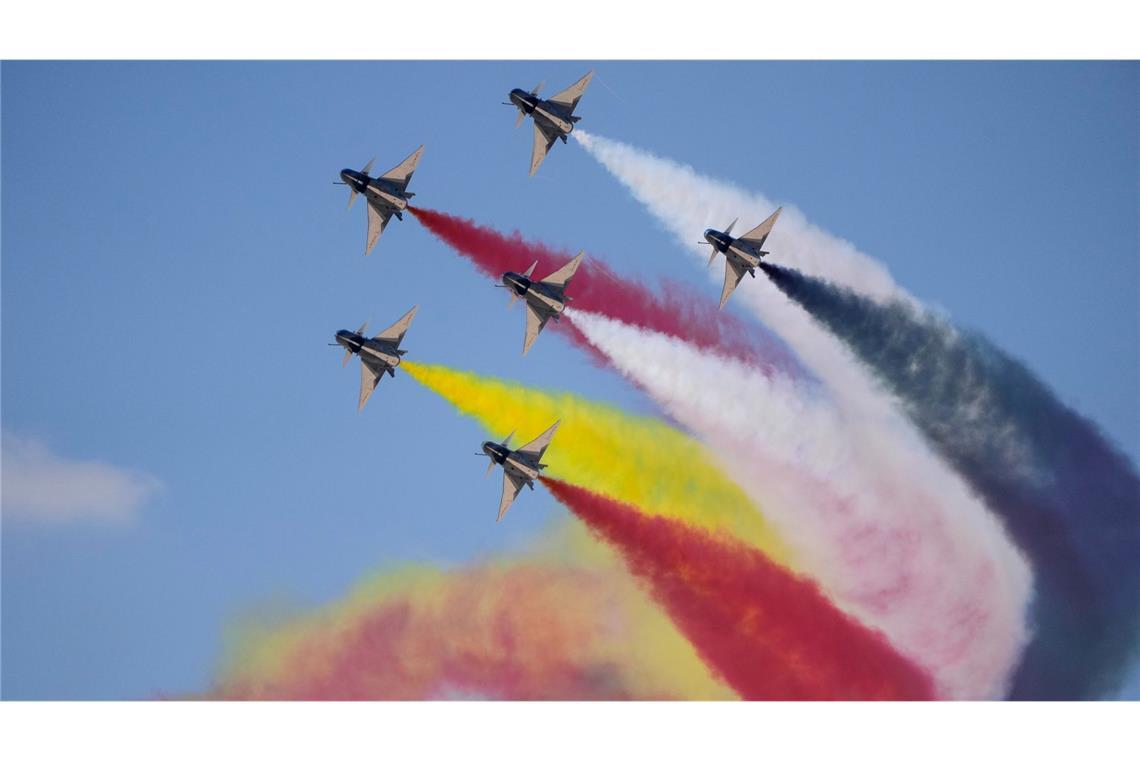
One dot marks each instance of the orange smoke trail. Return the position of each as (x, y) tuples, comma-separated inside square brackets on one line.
[(521, 630)]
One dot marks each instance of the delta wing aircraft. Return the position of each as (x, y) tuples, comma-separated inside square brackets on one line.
[(387, 194), (544, 298), (553, 118), (377, 355), (520, 466), (742, 255)]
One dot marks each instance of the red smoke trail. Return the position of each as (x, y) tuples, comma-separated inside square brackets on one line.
[(677, 311), (769, 634)]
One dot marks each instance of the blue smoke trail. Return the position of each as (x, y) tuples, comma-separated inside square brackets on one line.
[(1068, 497)]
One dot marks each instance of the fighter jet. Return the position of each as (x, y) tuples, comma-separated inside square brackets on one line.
[(544, 299), (377, 355), (742, 254), (553, 119), (387, 194), (520, 467)]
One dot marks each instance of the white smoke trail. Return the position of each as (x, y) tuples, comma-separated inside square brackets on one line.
[(686, 203), (895, 543)]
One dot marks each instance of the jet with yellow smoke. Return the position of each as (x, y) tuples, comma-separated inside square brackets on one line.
[(378, 355)]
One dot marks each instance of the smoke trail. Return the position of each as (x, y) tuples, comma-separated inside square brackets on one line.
[(770, 634), (932, 570), (1071, 500), (638, 460), (505, 629), (685, 203), (676, 311)]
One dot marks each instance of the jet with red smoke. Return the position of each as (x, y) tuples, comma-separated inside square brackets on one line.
[(387, 194), (543, 298), (520, 466)]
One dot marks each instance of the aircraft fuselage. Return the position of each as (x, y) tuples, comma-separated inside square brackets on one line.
[(373, 351), (497, 451), (542, 110), (504, 457), (535, 293), (732, 248), (718, 239), (376, 189)]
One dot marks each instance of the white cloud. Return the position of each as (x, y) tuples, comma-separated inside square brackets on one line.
[(38, 485)]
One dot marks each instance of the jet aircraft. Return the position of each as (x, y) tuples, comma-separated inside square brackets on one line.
[(553, 118), (387, 194), (520, 466), (544, 298), (377, 355), (742, 254)]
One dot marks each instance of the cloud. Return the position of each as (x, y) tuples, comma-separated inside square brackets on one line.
[(42, 486)]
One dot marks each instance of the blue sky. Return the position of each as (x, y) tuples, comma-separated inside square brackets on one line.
[(175, 259)]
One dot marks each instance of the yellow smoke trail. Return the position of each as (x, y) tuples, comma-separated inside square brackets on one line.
[(637, 460), (563, 622)]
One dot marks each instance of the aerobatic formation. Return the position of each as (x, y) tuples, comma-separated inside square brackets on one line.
[(850, 499)]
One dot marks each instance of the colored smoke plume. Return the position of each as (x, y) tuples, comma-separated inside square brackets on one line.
[(677, 310), (769, 634), (949, 592), (638, 460), (508, 629), (1070, 499)]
